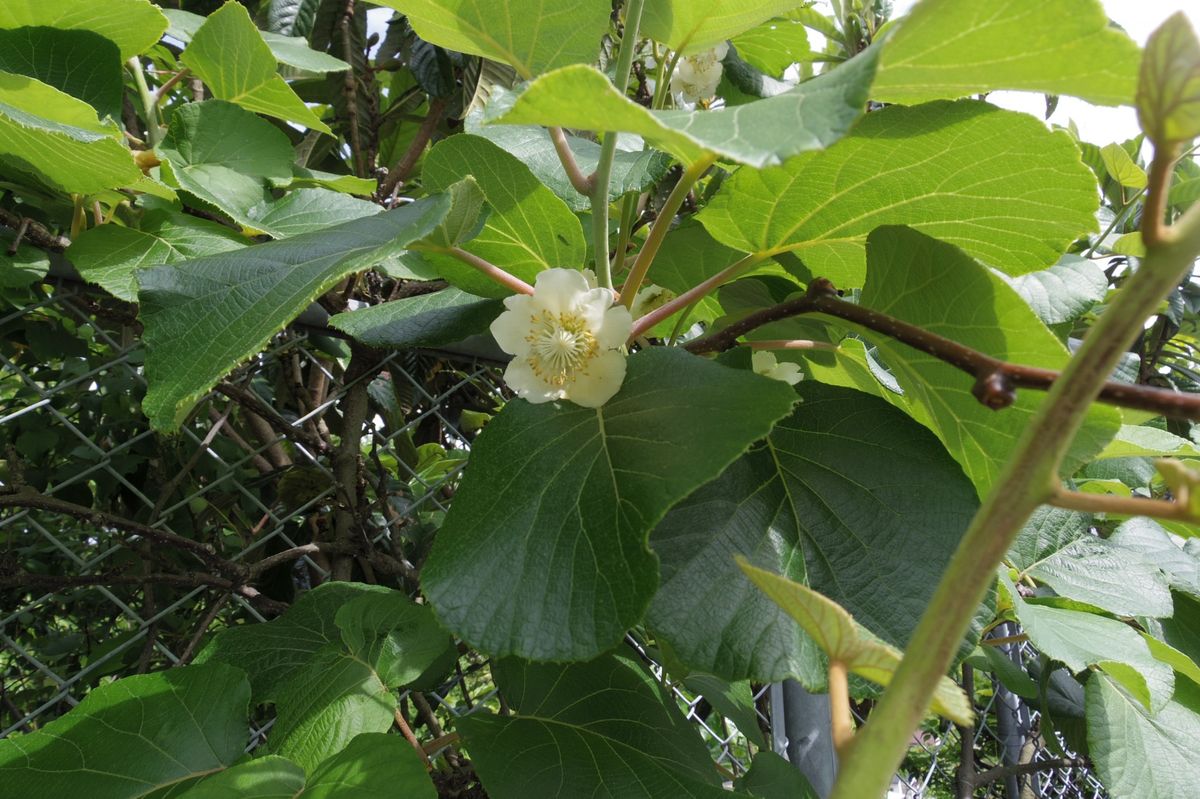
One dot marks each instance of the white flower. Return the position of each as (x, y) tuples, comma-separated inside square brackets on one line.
[(650, 298), (696, 76), (765, 364), (566, 339)]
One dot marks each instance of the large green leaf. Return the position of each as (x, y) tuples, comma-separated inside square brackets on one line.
[(1106, 574), (1063, 292), (813, 115), (847, 495), (543, 553), (774, 45), (1081, 640), (1137, 442), (1140, 755), (223, 156), (995, 183), (603, 728), (306, 210), (844, 640), (531, 35), (133, 25), (688, 26), (938, 287), (134, 737), (50, 136), (949, 49), (230, 56), (1147, 538), (111, 255), (330, 662), (204, 316), (632, 170), (528, 230), (290, 49), (772, 777), (83, 64), (428, 320), (1048, 530)]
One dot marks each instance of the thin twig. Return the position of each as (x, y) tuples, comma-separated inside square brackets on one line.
[(1000, 772), (404, 167), (210, 616), (506, 279), (582, 183), (350, 88), (406, 731), (347, 458), (251, 401), (32, 232), (161, 93)]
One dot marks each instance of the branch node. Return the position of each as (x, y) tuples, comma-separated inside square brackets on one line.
[(995, 390)]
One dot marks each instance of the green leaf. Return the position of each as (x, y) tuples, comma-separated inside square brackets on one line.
[(313, 178), (1005, 190), (933, 285), (133, 25), (83, 64), (292, 17), (603, 728), (772, 777), (632, 170), (1168, 93), (1139, 441), (844, 640), (1048, 530), (1173, 657), (1107, 575), (1121, 167), (306, 210), (428, 320), (1063, 292), (1154, 544), (267, 777), (134, 737), (948, 49), (1140, 755), (688, 256), (223, 155), (847, 495), (111, 255), (689, 26), (49, 135), (345, 688), (28, 265), (1081, 640), (465, 220), (815, 114), (733, 700), (230, 56), (204, 316), (528, 229), (543, 553), (774, 45), (288, 48), (527, 34), (1182, 630)]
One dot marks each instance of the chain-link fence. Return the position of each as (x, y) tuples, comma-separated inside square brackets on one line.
[(87, 596)]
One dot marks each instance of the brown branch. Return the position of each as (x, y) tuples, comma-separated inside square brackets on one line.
[(182, 580), (210, 616), (33, 232), (347, 465), (169, 84), (350, 89), (996, 381), (1000, 772), (22, 497), (254, 403), (400, 172), (406, 731), (584, 184)]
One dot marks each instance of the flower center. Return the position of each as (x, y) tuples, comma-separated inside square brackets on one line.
[(561, 346)]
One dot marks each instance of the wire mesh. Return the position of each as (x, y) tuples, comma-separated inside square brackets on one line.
[(70, 425)]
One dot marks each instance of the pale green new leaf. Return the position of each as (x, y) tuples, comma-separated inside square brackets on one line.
[(689, 26), (133, 25), (1139, 442), (428, 320), (533, 36), (995, 183), (848, 496), (1122, 167), (202, 317), (111, 255), (814, 115), (1168, 93), (1141, 755), (844, 640), (291, 50), (230, 56), (565, 496), (528, 229), (602, 728), (134, 737), (950, 49), (52, 137)]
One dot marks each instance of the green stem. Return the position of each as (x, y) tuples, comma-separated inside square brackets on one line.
[(487, 268), (1029, 479), (608, 149), (149, 102), (658, 231), (628, 215)]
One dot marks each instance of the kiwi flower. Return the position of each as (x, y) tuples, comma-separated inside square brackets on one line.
[(767, 365), (567, 340)]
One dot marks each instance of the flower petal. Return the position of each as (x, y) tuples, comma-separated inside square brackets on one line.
[(527, 385), (615, 328), (601, 381), (511, 330), (558, 290)]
